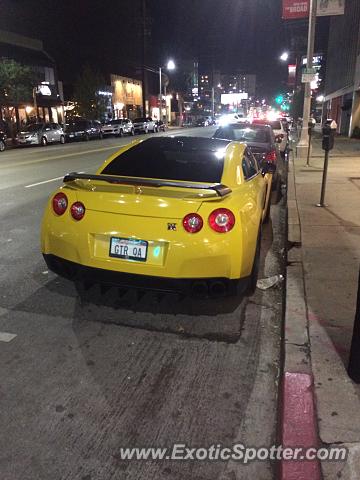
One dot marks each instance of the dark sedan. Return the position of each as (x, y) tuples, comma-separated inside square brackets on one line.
[(83, 130), (261, 140)]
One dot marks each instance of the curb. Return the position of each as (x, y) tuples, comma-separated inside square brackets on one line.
[(298, 419)]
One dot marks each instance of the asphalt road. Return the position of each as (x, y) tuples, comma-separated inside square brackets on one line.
[(86, 375)]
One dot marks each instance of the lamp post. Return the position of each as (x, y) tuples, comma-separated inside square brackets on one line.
[(169, 66), (303, 144), (35, 103)]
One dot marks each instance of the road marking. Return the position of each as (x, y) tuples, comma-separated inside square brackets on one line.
[(57, 157), (45, 181), (7, 337)]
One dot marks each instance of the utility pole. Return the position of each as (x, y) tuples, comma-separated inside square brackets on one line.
[(160, 95), (303, 145), (144, 92)]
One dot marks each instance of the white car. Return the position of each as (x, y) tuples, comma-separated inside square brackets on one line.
[(41, 134), (280, 132), (144, 125), (118, 127)]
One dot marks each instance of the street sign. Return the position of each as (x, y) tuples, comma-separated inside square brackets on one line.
[(330, 7), (308, 77), (293, 9)]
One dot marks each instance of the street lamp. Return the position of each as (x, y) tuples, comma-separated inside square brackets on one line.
[(284, 56), (169, 66)]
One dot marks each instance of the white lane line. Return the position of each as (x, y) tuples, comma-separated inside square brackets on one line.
[(7, 337), (45, 181), (57, 157)]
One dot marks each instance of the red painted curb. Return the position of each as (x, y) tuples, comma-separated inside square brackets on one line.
[(298, 426)]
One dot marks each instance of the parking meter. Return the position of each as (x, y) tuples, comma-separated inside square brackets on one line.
[(328, 131), (311, 126)]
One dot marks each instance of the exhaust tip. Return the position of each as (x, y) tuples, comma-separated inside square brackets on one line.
[(217, 289), (199, 289)]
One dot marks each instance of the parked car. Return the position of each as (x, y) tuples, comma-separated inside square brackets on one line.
[(205, 239), (118, 127), (41, 134), (279, 131), (202, 122), (2, 141), (260, 139), (160, 126), (83, 130), (144, 125)]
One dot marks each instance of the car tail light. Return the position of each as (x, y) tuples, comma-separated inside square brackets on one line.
[(77, 210), (271, 156), (222, 220), (60, 203), (193, 223)]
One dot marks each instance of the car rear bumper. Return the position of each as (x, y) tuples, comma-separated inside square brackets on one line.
[(188, 286)]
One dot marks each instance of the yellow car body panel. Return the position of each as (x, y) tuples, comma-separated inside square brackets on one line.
[(145, 213)]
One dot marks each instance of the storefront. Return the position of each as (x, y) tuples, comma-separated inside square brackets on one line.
[(44, 107), (127, 97), (41, 102)]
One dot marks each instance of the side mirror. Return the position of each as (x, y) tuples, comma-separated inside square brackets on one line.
[(267, 167)]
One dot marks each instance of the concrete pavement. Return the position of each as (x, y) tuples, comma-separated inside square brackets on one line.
[(322, 283)]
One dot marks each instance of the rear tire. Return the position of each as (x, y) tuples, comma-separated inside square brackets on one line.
[(62, 139), (43, 142), (255, 269), (2, 145)]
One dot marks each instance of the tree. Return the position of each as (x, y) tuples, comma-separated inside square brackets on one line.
[(89, 103), (16, 86)]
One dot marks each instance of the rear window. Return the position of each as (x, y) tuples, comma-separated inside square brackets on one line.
[(255, 135), (169, 160)]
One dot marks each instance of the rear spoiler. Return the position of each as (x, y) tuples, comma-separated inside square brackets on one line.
[(219, 188)]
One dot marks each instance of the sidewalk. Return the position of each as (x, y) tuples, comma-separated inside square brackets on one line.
[(322, 278)]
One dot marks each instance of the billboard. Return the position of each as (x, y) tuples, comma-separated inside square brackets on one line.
[(293, 9), (233, 98), (291, 75), (330, 7)]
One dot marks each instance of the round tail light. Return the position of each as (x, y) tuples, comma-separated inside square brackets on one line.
[(60, 203), (222, 220), (193, 223), (77, 210)]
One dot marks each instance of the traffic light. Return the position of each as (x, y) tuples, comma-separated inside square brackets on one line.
[(279, 99)]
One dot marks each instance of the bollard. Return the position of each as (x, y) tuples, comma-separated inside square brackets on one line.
[(354, 358)]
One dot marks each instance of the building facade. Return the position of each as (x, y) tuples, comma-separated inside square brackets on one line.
[(342, 83), (127, 96), (46, 101)]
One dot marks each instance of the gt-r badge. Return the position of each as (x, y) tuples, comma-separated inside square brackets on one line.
[(172, 226)]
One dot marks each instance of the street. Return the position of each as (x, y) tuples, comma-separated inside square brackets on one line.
[(89, 372)]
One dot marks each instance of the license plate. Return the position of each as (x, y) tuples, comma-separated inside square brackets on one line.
[(71, 135), (128, 249)]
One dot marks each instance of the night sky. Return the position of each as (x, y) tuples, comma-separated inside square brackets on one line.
[(232, 34)]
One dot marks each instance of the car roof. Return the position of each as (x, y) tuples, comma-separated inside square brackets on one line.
[(201, 143)]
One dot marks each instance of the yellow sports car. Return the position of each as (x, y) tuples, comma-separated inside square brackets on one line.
[(167, 213)]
